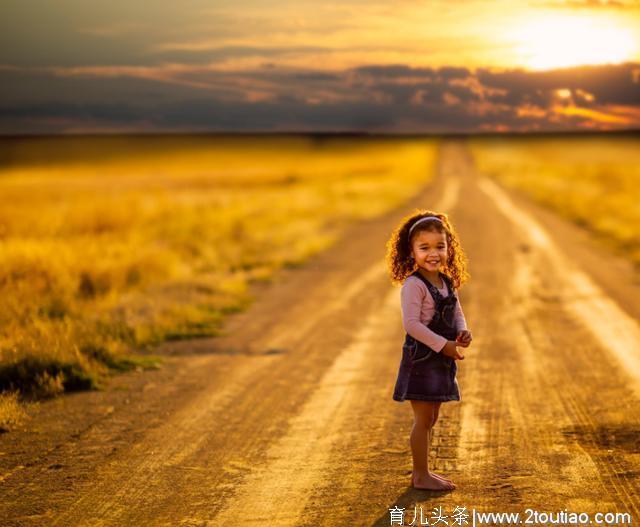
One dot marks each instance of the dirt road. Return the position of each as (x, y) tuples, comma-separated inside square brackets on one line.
[(289, 421)]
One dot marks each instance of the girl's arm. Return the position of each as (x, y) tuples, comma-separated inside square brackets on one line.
[(461, 322), (464, 337), (412, 296)]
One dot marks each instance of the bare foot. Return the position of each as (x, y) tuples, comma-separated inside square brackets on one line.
[(429, 482), (439, 476)]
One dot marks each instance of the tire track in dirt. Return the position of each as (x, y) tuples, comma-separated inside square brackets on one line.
[(534, 346), (610, 325), (277, 491), (602, 324), (140, 487)]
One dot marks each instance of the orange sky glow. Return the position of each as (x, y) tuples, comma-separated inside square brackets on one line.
[(463, 65)]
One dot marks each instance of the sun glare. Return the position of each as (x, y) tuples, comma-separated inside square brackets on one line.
[(560, 42)]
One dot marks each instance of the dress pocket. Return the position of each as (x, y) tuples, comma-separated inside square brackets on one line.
[(421, 352)]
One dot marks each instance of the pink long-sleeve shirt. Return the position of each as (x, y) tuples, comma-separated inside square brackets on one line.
[(418, 308)]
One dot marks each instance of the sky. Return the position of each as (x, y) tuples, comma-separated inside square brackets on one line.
[(392, 66)]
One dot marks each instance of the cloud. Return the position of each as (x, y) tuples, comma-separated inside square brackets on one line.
[(392, 98), (207, 54), (613, 84)]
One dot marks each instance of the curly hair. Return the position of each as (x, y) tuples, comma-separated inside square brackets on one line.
[(398, 257)]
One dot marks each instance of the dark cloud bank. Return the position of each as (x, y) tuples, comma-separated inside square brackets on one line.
[(375, 99)]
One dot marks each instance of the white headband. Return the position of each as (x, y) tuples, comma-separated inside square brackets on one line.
[(421, 220)]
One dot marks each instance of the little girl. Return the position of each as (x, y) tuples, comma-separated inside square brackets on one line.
[(425, 256)]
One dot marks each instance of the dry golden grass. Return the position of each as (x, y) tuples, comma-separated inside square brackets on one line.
[(12, 412), (593, 181), (111, 245)]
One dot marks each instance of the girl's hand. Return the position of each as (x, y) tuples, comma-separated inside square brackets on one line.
[(450, 350), (464, 338)]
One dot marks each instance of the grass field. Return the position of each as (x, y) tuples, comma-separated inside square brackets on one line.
[(111, 245), (593, 181)]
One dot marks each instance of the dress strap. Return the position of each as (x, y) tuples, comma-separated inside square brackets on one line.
[(449, 283), (430, 287)]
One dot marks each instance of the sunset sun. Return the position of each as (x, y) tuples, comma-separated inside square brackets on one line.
[(560, 42)]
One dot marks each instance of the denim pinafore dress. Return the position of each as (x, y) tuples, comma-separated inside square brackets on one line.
[(425, 374)]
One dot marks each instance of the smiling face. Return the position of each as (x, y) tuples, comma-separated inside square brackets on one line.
[(429, 250)]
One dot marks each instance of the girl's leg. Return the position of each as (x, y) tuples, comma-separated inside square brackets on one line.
[(424, 414), (419, 438), (436, 411)]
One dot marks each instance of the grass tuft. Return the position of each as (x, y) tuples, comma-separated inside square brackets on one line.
[(12, 413)]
